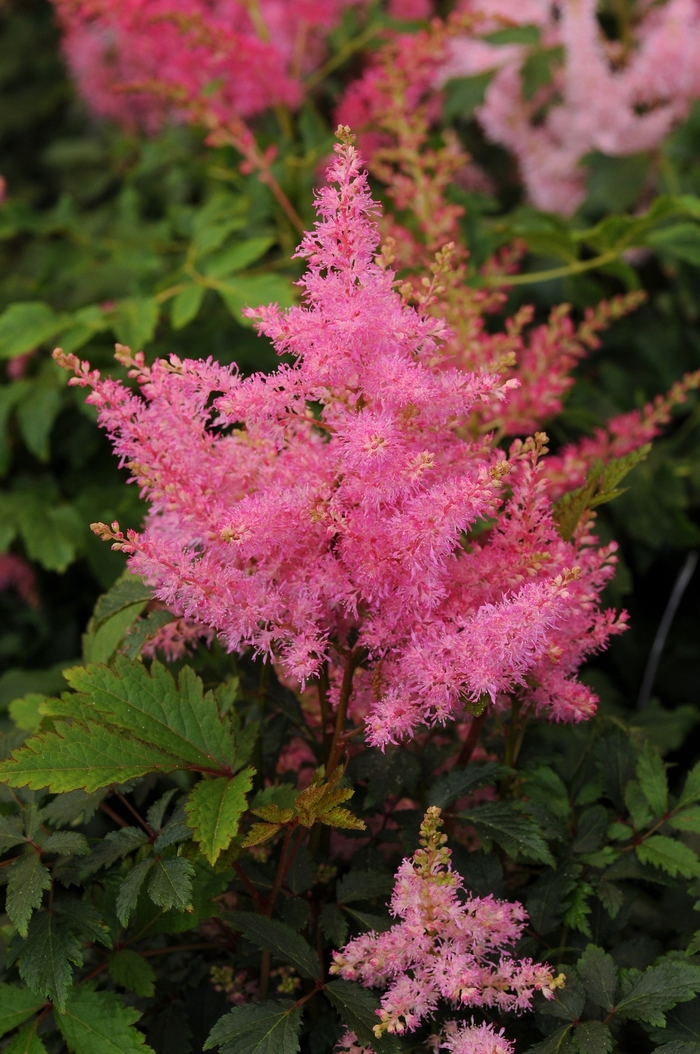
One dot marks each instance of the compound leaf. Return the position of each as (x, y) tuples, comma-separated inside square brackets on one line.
[(650, 995)]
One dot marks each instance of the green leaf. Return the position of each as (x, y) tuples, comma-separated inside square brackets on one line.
[(186, 305), (179, 719), (363, 885), (127, 590), (254, 291), (547, 899), (514, 831), (593, 1037), (691, 789), (277, 938), (688, 820), (638, 805), (670, 855), (99, 1023), (11, 832), (557, 1043), (578, 912), (113, 847), (651, 774), (598, 975), (130, 970), (26, 325), (170, 884), (464, 94), (27, 879), (135, 320), (36, 415), (601, 486), (130, 889), (17, 1005), (536, 70), (214, 809), (26, 1042), (370, 921), (681, 240), (334, 926), (358, 1011), (68, 843), (258, 1028), (78, 757), (237, 257), (48, 956), (527, 34), (649, 996), (459, 782), (143, 630)]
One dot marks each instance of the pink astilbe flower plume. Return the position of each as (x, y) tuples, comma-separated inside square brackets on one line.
[(447, 946), (345, 508)]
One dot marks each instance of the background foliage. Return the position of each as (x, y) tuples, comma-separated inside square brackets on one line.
[(128, 875)]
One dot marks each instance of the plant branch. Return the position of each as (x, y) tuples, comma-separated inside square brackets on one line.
[(352, 661)]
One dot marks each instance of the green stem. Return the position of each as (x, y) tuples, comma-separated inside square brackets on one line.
[(340, 56), (555, 272), (352, 661)]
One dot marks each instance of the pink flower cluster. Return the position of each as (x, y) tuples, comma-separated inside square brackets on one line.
[(350, 507), (615, 97), (139, 61), (448, 946)]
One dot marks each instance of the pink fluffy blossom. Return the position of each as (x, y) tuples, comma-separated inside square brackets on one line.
[(342, 510), (617, 98), (449, 946), (139, 61)]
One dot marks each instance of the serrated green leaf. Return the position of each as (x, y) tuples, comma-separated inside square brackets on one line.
[(170, 884), (113, 847), (577, 915), (671, 856), (557, 1043), (126, 591), (593, 1037), (651, 774), (82, 757), (73, 807), (67, 843), (214, 809), (186, 305), (369, 921), (36, 415), (130, 970), (358, 1011), (156, 812), (17, 1005), (548, 898), (681, 240), (143, 630), (26, 325), (27, 879), (258, 1028), (26, 1042), (691, 788), (659, 989), (26, 713), (514, 831), (363, 885), (278, 939), (333, 923), (11, 832), (134, 320), (48, 956), (459, 782), (598, 974), (464, 94), (99, 1023), (259, 833), (688, 820), (638, 805), (179, 719), (130, 888)]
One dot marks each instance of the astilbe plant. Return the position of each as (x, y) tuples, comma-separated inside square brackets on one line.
[(348, 516), (447, 946)]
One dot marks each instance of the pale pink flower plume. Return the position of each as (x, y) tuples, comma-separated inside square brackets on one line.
[(448, 945), (335, 510), (17, 574), (615, 98)]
